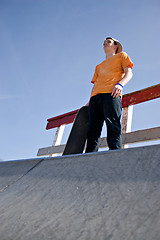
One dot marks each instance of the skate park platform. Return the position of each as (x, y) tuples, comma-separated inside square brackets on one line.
[(112, 195)]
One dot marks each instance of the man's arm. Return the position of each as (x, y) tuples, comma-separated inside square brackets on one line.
[(117, 89)]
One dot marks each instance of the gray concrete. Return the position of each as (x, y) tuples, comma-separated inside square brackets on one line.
[(10, 172), (101, 196)]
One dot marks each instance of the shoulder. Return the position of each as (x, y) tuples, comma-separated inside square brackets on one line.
[(100, 64), (123, 54), (125, 60)]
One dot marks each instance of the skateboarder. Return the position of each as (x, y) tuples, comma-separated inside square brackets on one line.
[(105, 103)]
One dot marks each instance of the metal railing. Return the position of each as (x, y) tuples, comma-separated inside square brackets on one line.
[(128, 137)]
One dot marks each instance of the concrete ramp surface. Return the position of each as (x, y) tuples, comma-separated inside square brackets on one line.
[(111, 195)]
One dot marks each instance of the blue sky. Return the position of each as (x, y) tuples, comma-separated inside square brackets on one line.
[(49, 50)]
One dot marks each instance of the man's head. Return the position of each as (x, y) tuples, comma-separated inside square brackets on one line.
[(112, 45)]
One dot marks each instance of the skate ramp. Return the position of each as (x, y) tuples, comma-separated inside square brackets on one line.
[(102, 196)]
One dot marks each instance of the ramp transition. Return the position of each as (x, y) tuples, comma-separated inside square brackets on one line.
[(102, 196)]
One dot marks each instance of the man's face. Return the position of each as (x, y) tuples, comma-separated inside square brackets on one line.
[(109, 46)]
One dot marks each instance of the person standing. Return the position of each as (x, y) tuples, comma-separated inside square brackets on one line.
[(105, 103)]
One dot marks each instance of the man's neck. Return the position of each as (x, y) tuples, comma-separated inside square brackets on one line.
[(109, 55)]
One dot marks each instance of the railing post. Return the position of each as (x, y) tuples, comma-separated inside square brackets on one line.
[(58, 137), (127, 121)]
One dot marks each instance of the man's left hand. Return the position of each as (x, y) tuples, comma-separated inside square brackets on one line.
[(116, 91)]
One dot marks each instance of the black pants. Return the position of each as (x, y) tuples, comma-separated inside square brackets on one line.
[(103, 107)]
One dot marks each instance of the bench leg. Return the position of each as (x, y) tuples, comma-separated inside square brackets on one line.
[(58, 137), (126, 121)]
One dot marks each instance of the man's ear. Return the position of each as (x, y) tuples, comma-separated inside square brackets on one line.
[(116, 48)]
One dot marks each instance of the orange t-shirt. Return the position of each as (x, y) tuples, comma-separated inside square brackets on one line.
[(109, 73)]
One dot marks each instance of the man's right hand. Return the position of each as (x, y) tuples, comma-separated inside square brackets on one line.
[(87, 104)]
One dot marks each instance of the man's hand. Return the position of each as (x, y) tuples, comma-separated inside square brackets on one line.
[(116, 91), (87, 104)]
